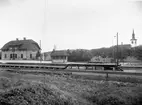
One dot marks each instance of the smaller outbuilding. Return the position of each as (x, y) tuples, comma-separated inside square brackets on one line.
[(59, 56), (99, 59)]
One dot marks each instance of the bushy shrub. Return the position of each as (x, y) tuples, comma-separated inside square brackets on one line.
[(116, 96), (5, 83), (111, 100), (37, 94), (21, 82)]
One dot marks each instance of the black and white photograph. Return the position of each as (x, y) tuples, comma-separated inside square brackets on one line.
[(71, 52)]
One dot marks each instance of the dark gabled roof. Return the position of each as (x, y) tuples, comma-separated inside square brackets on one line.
[(21, 45), (59, 53)]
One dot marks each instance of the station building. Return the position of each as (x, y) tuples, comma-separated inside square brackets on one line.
[(59, 56), (25, 49)]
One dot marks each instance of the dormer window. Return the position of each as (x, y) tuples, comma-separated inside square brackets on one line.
[(10, 48)]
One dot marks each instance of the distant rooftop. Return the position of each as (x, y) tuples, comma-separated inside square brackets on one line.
[(59, 53), (25, 44)]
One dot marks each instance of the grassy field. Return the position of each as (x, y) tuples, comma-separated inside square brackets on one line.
[(90, 76), (60, 89)]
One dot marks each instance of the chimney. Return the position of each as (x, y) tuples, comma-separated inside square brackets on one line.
[(24, 38)]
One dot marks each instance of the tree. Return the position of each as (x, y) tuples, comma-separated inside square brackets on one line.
[(138, 52), (80, 55), (38, 55)]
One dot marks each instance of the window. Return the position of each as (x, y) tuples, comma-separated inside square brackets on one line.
[(10, 55), (5, 56), (21, 55), (30, 55), (10, 48), (54, 57), (15, 55)]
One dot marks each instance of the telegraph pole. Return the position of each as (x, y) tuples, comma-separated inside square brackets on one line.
[(117, 61), (45, 18), (44, 27), (121, 51)]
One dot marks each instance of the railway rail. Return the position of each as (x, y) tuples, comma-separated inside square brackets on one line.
[(47, 67), (93, 66)]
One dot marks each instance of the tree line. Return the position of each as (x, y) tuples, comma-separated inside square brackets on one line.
[(83, 55)]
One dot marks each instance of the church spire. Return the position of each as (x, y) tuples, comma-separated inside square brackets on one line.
[(133, 34), (133, 40)]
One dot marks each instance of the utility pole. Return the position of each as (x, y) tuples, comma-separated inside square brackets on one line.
[(117, 61), (113, 52), (121, 51), (44, 28)]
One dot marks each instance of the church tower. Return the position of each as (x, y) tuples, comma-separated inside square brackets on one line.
[(133, 40)]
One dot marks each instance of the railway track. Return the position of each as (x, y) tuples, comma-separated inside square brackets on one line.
[(70, 71), (31, 66), (58, 65)]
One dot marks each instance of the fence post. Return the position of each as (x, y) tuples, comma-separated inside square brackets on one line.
[(106, 76)]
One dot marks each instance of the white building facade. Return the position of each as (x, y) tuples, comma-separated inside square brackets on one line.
[(20, 50)]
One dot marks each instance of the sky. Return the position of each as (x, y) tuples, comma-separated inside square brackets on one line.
[(71, 24)]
